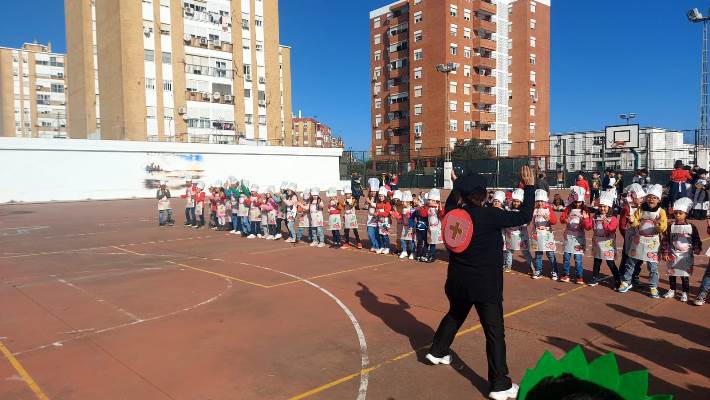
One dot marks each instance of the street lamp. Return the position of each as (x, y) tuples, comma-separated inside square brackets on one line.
[(695, 16), (446, 69), (628, 117)]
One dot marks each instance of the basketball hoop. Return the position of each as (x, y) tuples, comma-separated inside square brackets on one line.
[(619, 145)]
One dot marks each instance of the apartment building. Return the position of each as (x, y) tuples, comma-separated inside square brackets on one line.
[(208, 71), (443, 72), (309, 132), (32, 98)]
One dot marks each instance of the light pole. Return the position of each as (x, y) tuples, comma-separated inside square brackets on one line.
[(446, 69), (695, 16), (628, 117)]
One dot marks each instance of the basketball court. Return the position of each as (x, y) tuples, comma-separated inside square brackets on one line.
[(98, 302)]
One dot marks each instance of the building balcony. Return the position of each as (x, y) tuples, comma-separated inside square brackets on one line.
[(217, 98), (396, 38), (397, 73), (483, 134), (486, 5), (487, 80), (395, 124), (483, 98), (403, 106), (479, 61), (204, 43), (484, 117), (489, 26), (484, 43), (395, 139)]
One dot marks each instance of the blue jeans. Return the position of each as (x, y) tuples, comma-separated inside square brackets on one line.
[(317, 234), (246, 229), (255, 227), (705, 285), (652, 272), (407, 245), (236, 225), (190, 218), (550, 256), (577, 265), (374, 237), (384, 241), (291, 229), (161, 216), (508, 257)]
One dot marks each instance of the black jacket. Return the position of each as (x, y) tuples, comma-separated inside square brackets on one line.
[(476, 274)]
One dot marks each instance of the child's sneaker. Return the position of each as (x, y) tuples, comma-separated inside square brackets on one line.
[(260, 236), (684, 297), (385, 251), (625, 287), (359, 246), (669, 294), (403, 255), (278, 236), (251, 236), (321, 245), (700, 300), (579, 281), (564, 279), (654, 293), (507, 268), (411, 256), (374, 250), (594, 282), (314, 244), (345, 246), (554, 276), (537, 275)]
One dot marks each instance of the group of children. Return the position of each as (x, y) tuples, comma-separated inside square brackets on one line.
[(254, 212), (649, 237)]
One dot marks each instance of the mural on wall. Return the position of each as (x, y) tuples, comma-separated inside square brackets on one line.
[(173, 168)]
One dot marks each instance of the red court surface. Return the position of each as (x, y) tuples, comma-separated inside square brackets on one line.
[(98, 302)]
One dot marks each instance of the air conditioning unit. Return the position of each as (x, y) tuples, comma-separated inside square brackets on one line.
[(147, 30), (262, 79), (228, 98), (247, 77), (206, 96), (262, 103), (182, 110), (39, 87), (189, 11), (216, 95), (187, 38), (204, 41), (417, 134), (217, 43)]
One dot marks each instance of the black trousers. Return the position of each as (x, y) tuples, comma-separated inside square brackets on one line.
[(594, 196), (624, 261), (612, 267), (491, 316), (684, 281)]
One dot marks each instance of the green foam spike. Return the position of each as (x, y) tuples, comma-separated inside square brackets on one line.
[(604, 371), (634, 385)]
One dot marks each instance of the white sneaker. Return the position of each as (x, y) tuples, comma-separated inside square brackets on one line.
[(403, 254), (669, 294), (411, 256), (374, 250), (260, 236), (314, 244), (251, 236), (386, 251), (278, 236), (684, 297), (321, 245), (237, 233), (445, 360), (511, 393), (270, 238), (379, 251)]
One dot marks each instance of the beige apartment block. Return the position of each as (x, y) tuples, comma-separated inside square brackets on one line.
[(309, 132), (209, 71), (484, 91), (32, 92)]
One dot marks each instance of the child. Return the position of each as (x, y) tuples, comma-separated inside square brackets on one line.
[(435, 213), (705, 285), (679, 245), (350, 204), (700, 199), (542, 238), (407, 224), (200, 205), (604, 238), (382, 212), (221, 199), (557, 203), (163, 196), (254, 213), (233, 196), (290, 201), (576, 217), (315, 211), (271, 209), (335, 219), (596, 187), (243, 209), (304, 221), (516, 238), (498, 200), (651, 222), (421, 220), (396, 203), (280, 209), (189, 196), (372, 233), (679, 177), (634, 199)]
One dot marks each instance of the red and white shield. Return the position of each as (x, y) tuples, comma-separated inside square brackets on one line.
[(458, 230)]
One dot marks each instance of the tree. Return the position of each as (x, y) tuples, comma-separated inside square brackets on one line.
[(474, 149)]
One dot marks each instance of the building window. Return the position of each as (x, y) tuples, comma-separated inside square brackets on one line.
[(533, 42), (418, 54), (249, 119), (377, 22), (378, 55), (466, 15), (150, 83), (378, 150), (454, 29), (453, 105), (378, 103), (378, 39), (168, 86), (417, 91), (466, 70), (453, 125), (467, 108), (533, 77), (378, 135), (418, 73), (262, 119), (453, 10), (419, 128), (467, 33), (533, 24), (57, 88), (418, 18), (532, 6), (454, 49), (418, 36), (149, 55), (167, 58), (247, 93), (532, 111), (467, 126), (466, 52), (532, 128), (452, 87), (533, 59), (418, 109)]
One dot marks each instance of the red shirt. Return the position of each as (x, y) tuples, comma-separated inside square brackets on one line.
[(583, 184), (680, 175)]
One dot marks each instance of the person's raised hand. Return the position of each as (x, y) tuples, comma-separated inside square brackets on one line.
[(453, 176), (527, 177)]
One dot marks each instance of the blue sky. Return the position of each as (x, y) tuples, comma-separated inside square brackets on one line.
[(608, 57)]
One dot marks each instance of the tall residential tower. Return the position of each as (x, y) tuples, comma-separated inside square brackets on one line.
[(178, 70)]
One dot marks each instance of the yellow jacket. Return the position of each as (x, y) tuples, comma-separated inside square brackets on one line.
[(635, 219)]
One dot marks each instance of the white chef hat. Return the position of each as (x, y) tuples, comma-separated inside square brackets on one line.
[(254, 188), (500, 196), (163, 182), (188, 179), (607, 198), (270, 189), (217, 183), (292, 186), (541, 195), (655, 190), (315, 191), (397, 195), (435, 195), (232, 180), (577, 193), (332, 192), (373, 184), (518, 194), (683, 204), (201, 185), (347, 189), (636, 190), (382, 191), (407, 196)]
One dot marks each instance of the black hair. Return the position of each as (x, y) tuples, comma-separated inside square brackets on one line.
[(568, 387)]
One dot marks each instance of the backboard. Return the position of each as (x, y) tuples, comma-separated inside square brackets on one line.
[(626, 136)]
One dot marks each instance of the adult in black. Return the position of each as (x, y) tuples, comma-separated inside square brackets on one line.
[(356, 187), (475, 278), (541, 182)]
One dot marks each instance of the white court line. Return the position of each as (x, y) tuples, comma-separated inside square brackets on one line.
[(128, 314)]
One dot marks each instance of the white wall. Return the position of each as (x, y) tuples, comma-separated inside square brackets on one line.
[(35, 170)]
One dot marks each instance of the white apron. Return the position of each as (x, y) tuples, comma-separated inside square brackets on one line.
[(221, 210), (647, 241), (383, 226), (681, 263), (254, 211), (630, 233), (199, 207), (575, 240), (407, 233), (271, 217), (350, 219), (335, 222), (542, 238), (190, 201), (242, 209), (163, 204), (434, 235), (603, 244), (316, 216)]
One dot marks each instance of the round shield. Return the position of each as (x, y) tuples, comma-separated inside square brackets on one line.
[(458, 230)]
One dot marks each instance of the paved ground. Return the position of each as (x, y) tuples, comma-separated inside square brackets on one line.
[(97, 302)]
